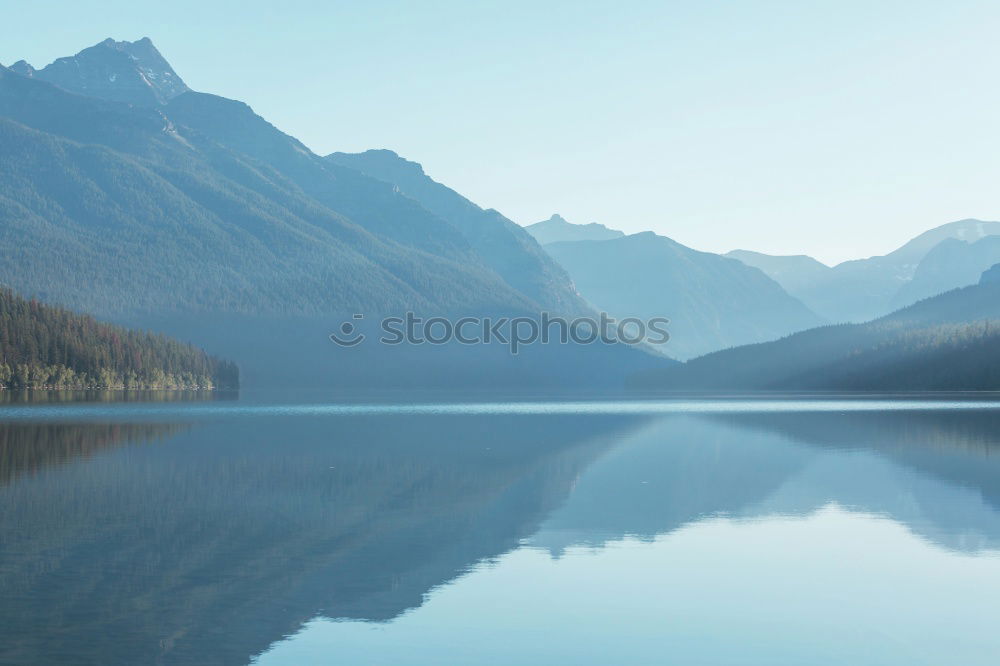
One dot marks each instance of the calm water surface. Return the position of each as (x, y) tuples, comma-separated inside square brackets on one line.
[(550, 532)]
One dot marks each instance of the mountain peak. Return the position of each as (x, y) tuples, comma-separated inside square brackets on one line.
[(557, 229), (383, 161), (23, 68), (968, 230), (121, 71)]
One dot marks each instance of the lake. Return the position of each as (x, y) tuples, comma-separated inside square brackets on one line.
[(771, 531)]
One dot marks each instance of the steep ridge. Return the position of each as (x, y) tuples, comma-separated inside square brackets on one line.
[(132, 72), (504, 246)]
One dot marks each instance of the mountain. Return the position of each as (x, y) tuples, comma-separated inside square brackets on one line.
[(793, 272), (170, 221), (132, 72), (951, 264), (47, 347), (556, 229), (226, 208), (504, 246), (198, 218), (991, 276), (948, 342), (712, 302), (863, 289), (373, 204)]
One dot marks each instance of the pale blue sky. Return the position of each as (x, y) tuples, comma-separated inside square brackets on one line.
[(835, 128)]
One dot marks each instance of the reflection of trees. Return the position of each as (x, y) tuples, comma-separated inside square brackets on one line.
[(26, 448), (45, 397), (210, 548)]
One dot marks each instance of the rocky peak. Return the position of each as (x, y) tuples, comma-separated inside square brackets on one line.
[(23, 68), (132, 72)]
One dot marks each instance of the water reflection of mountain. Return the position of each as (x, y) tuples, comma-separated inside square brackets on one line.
[(211, 547), (228, 536), (936, 472)]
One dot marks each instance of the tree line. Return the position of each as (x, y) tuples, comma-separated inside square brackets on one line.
[(42, 346)]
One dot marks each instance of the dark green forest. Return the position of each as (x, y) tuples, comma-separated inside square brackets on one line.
[(42, 346)]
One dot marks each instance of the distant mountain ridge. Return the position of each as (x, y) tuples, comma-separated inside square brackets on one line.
[(864, 289), (713, 302), (951, 264), (793, 272), (948, 342), (991, 276), (556, 229)]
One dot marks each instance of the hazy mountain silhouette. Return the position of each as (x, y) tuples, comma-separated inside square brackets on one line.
[(794, 272), (948, 342), (863, 289), (949, 265), (712, 302), (556, 229)]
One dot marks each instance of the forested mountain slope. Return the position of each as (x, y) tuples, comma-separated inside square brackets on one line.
[(159, 216), (949, 342), (504, 246)]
